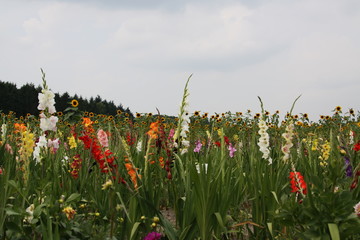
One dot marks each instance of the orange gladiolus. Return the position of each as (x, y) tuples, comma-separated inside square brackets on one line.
[(19, 127), (154, 130), (87, 122), (132, 173)]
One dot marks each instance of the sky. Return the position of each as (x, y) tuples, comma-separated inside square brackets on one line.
[(140, 53)]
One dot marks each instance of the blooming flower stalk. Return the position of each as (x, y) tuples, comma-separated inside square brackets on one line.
[(47, 120), (263, 142), (288, 136), (232, 150), (3, 132), (198, 146), (184, 120), (102, 137)]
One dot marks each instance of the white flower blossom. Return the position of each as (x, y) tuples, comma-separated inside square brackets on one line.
[(3, 131), (30, 212), (139, 146), (263, 142), (47, 100), (48, 123)]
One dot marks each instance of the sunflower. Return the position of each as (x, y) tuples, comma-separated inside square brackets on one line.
[(138, 115), (257, 115), (162, 119), (91, 114), (119, 112), (149, 114), (351, 111), (60, 114), (338, 109), (219, 120), (212, 117), (74, 103), (196, 113), (28, 114), (267, 113), (327, 117), (239, 119), (86, 113), (305, 115), (127, 114), (217, 116), (295, 116), (110, 117), (277, 112), (358, 124), (322, 117), (239, 113)]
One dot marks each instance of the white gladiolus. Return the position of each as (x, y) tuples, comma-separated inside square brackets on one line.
[(288, 136), (30, 212), (263, 142), (47, 100), (48, 123), (3, 131), (40, 144), (139, 146)]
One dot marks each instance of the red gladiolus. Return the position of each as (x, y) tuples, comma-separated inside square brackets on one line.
[(357, 147), (227, 140), (297, 182)]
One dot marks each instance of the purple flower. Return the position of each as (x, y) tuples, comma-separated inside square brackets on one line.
[(348, 170), (153, 236), (198, 146)]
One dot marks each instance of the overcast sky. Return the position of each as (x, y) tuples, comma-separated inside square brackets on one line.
[(139, 53)]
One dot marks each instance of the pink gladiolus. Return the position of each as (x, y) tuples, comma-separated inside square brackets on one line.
[(232, 150), (8, 148), (198, 146), (102, 137)]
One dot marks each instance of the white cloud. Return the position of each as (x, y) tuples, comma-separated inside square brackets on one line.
[(141, 57)]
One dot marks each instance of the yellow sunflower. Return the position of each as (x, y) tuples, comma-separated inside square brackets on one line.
[(74, 103), (338, 109)]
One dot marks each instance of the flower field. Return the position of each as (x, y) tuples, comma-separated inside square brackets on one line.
[(243, 175)]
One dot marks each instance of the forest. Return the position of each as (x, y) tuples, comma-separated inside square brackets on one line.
[(24, 100)]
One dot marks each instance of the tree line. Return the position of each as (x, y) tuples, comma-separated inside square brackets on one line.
[(24, 100)]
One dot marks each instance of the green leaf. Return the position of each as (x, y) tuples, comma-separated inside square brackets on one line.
[(269, 224), (220, 220), (275, 196), (10, 211), (133, 230), (13, 227), (37, 210), (334, 231), (73, 197)]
